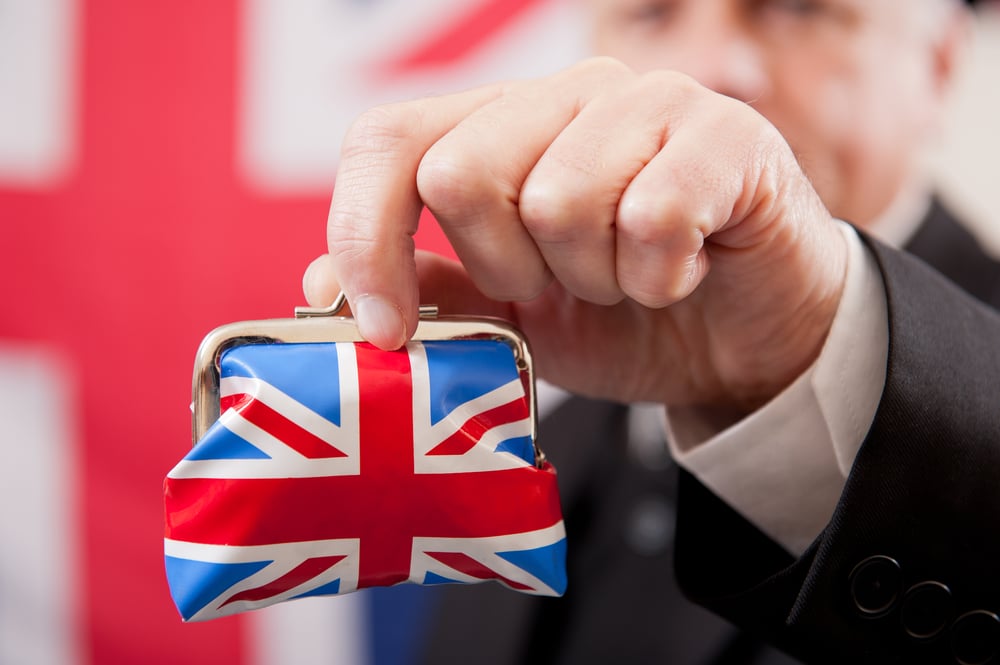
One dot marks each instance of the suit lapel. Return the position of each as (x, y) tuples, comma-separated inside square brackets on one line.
[(944, 244)]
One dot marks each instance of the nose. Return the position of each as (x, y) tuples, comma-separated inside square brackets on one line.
[(719, 50)]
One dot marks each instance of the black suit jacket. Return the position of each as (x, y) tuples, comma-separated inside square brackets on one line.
[(921, 511), (907, 569)]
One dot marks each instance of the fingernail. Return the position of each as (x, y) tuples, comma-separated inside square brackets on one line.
[(380, 322)]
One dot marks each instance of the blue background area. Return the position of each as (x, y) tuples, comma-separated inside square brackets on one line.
[(399, 617)]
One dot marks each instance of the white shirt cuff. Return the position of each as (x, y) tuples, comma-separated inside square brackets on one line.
[(783, 467)]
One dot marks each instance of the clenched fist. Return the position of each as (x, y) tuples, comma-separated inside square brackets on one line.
[(656, 241)]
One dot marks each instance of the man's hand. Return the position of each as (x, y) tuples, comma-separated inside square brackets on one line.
[(656, 241)]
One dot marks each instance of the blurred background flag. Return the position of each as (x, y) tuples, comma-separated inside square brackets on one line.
[(166, 168)]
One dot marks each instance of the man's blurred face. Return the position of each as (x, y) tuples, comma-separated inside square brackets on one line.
[(855, 86)]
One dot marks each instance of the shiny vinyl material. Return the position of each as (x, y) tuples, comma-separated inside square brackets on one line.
[(336, 466)]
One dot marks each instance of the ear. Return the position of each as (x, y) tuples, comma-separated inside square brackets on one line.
[(951, 39), (948, 36)]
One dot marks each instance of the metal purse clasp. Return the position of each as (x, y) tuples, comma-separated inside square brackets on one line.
[(312, 324)]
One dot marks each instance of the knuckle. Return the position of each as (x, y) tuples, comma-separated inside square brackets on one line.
[(595, 73), (664, 219), (545, 213), (670, 94), (443, 178), (380, 129), (603, 72), (662, 238), (665, 79), (647, 219), (603, 66)]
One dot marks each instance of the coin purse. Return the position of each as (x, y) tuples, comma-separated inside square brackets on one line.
[(322, 465)]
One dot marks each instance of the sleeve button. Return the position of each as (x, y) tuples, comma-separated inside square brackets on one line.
[(875, 585), (975, 637), (927, 610)]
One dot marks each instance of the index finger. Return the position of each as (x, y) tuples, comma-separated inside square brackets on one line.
[(376, 206)]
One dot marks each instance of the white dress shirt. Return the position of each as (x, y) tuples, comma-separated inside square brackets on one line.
[(783, 467)]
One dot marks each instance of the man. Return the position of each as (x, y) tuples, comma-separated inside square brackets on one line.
[(832, 401)]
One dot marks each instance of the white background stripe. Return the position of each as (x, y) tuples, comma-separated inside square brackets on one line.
[(37, 49), (310, 631), (37, 539), (308, 73)]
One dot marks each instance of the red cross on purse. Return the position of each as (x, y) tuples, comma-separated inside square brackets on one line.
[(323, 465)]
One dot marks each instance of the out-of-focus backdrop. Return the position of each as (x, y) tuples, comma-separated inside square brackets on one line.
[(166, 168)]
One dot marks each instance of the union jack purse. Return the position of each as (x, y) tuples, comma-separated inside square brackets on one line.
[(323, 465)]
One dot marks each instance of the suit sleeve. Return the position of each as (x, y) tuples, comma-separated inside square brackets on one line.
[(908, 568)]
